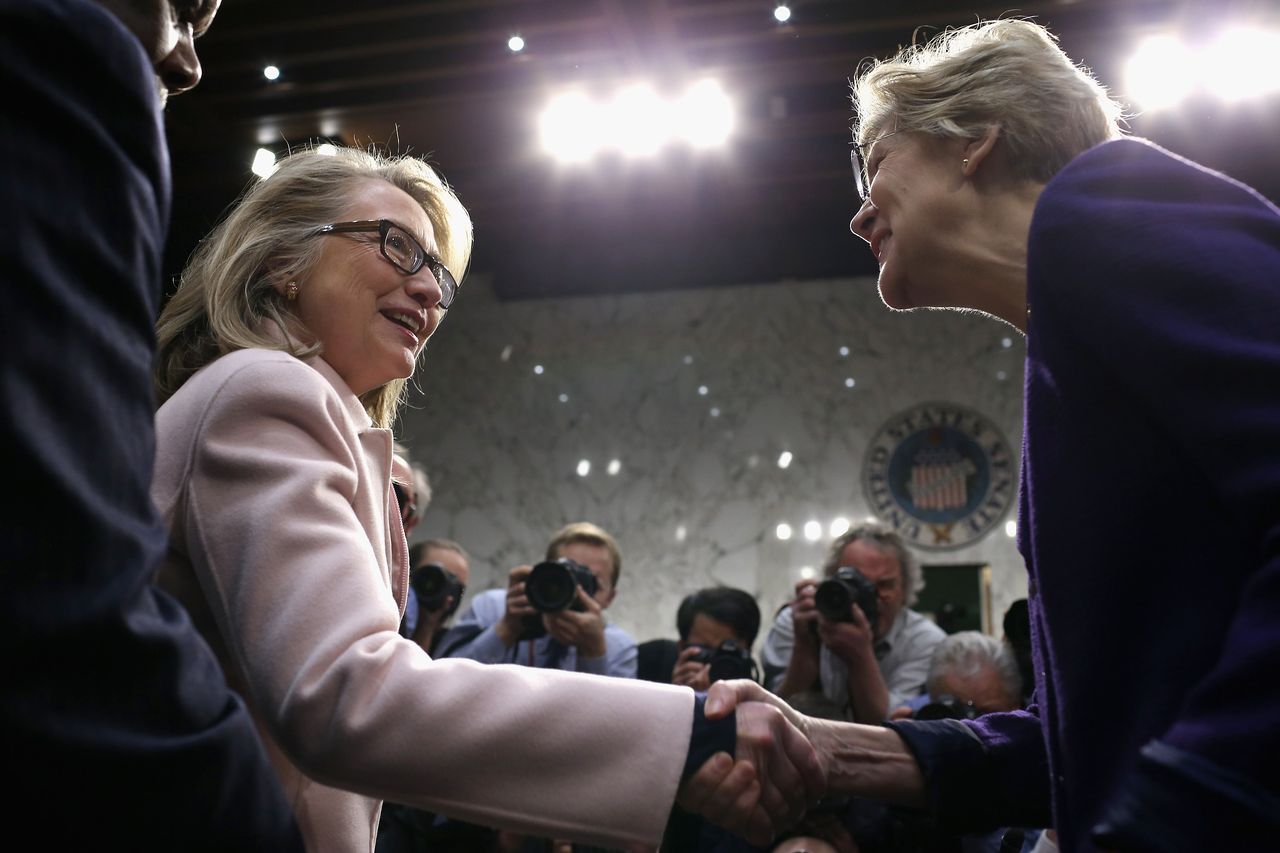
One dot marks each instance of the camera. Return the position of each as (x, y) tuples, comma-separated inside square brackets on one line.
[(836, 596), (433, 584), (552, 585), (947, 708), (727, 661)]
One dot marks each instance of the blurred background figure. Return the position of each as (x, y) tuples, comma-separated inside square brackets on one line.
[(841, 664)]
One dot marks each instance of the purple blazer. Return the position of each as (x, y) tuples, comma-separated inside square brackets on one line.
[(1149, 520)]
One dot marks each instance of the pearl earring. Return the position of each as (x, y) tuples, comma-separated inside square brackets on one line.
[(965, 163), (291, 291)]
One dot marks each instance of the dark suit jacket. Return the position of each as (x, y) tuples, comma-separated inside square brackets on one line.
[(116, 726)]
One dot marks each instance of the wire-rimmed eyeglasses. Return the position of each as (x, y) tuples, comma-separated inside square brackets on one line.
[(403, 250), (861, 177)]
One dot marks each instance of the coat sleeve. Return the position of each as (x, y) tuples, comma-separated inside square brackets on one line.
[(294, 585)]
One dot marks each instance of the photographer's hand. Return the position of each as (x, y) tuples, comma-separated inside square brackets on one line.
[(691, 673), (852, 643), (511, 625), (581, 629)]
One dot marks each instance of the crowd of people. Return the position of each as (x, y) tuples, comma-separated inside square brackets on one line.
[(239, 650)]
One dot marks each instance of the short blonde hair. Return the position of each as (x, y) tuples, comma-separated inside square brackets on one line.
[(590, 534), (1009, 73), (227, 290)]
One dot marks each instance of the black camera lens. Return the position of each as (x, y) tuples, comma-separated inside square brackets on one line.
[(727, 662), (552, 586), (836, 596), (947, 708), (433, 584)]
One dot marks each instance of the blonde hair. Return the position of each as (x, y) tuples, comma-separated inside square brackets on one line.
[(590, 534), (227, 291), (1008, 73)]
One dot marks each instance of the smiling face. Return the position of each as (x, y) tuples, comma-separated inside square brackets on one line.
[(370, 319), (168, 30), (915, 217)]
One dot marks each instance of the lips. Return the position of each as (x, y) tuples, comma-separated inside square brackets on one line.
[(878, 242), (411, 322)]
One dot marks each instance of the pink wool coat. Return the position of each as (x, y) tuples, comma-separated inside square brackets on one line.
[(286, 547)]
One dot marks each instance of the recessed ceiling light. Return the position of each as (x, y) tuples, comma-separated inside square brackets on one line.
[(271, 72), (782, 13), (515, 44)]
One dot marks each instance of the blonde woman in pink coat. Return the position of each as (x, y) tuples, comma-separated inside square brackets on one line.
[(283, 358)]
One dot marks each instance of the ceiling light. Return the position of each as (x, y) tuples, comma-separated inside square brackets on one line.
[(839, 527), (584, 467), (812, 530), (564, 398), (538, 369), (1252, 68), (807, 573), (784, 531), (1160, 73), (681, 533), (570, 128), (264, 163), (715, 411), (515, 44), (702, 390), (844, 352), (1011, 529), (704, 115), (784, 459), (782, 13), (615, 465), (271, 72), (849, 382), (637, 122)]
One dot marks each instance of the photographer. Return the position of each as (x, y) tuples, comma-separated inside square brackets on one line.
[(971, 674), (503, 626), (718, 626), (849, 668), (435, 592)]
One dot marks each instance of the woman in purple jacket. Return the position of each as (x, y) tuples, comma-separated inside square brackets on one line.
[(994, 177)]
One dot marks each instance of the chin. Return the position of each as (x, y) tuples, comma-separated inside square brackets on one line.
[(894, 295)]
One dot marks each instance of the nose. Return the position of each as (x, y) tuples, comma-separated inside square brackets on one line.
[(423, 288), (864, 220), (180, 70)]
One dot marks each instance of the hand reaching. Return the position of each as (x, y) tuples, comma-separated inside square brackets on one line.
[(775, 776)]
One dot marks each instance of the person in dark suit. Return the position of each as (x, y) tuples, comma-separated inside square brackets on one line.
[(116, 725)]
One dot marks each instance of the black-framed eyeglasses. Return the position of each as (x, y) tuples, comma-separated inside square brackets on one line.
[(861, 177), (403, 250)]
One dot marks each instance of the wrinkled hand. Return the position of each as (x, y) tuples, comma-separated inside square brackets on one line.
[(691, 673), (581, 629), (511, 626), (775, 776)]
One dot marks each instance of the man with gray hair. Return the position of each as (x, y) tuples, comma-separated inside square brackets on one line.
[(852, 669)]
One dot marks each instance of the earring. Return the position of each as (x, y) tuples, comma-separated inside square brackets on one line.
[(291, 291), (964, 163)]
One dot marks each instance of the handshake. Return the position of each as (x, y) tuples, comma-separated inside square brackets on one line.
[(787, 761)]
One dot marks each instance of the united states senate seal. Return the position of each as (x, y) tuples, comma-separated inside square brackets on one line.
[(940, 474)]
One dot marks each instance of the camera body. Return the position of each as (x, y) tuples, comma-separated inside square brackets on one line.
[(433, 584), (947, 707), (836, 596), (727, 661), (552, 585)]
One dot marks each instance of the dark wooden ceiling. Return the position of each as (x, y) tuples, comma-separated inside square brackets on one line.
[(435, 77)]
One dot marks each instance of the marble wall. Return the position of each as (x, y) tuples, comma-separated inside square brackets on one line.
[(681, 404)]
